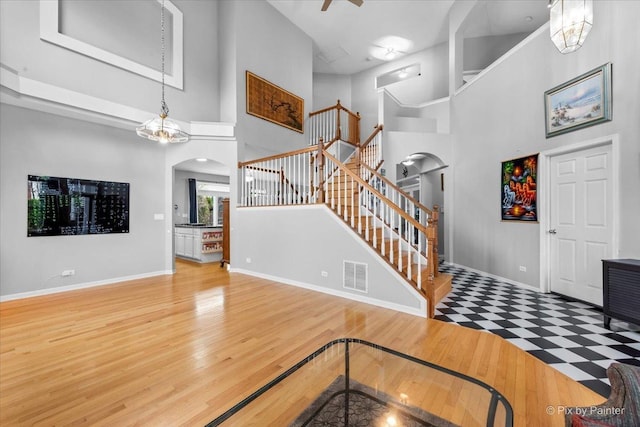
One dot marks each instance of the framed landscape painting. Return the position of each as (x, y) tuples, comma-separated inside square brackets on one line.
[(272, 103), (518, 189), (578, 103)]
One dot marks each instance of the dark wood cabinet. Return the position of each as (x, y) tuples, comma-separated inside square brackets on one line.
[(621, 290), (226, 237)]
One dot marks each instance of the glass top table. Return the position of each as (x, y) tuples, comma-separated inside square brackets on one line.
[(352, 382)]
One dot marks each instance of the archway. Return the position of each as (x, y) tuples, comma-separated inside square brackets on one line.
[(422, 176)]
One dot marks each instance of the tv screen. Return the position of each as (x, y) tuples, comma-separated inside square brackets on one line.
[(71, 206)]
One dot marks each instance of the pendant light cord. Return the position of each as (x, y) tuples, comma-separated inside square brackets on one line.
[(163, 106)]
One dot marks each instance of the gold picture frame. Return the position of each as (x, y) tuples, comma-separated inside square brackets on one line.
[(272, 103)]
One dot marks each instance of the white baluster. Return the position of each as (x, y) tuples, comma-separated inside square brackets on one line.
[(410, 253), (391, 235), (345, 195), (419, 278), (400, 221), (375, 224), (355, 207), (366, 220)]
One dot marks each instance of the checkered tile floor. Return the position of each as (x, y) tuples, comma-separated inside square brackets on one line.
[(566, 335)]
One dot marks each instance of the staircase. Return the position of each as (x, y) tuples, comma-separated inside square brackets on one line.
[(393, 246), (343, 174)]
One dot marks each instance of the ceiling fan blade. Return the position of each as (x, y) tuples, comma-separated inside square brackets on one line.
[(357, 2), (325, 5)]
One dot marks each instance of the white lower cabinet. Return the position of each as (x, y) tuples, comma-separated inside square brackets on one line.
[(199, 243)]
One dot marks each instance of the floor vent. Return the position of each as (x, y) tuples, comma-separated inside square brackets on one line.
[(354, 276)]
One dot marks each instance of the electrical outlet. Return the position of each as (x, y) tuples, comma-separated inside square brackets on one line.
[(324, 274), (523, 268), (248, 260), (67, 273)]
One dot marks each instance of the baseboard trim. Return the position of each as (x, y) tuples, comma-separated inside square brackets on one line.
[(85, 285), (493, 276), (420, 312)]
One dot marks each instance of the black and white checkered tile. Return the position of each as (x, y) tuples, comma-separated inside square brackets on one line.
[(567, 335)]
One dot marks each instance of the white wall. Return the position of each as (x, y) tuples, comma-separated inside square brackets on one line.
[(480, 52), (22, 50), (329, 88), (501, 116), (296, 244), (264, 42), (432, 84), (43, 144)]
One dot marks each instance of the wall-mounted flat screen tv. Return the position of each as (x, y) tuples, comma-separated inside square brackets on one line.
[(71, 206)]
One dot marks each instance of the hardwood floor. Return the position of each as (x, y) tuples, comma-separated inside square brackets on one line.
[(181, 349)]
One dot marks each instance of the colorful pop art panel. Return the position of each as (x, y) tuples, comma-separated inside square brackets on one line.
[(518, 190)]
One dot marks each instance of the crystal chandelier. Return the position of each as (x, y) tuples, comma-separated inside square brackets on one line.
[(570, 22), (161, 128)]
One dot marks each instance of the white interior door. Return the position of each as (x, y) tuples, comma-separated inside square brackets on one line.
[(580, 223)]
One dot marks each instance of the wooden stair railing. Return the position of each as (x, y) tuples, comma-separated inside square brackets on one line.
[(282, 179), (380, 212), (369, 153), (387, 228), (328, 124), (399, 197)]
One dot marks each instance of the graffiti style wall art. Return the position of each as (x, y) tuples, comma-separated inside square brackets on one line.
[(272, 103), (518, 190)]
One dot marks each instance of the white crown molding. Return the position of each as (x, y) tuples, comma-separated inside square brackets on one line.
[(50, 32), (36, 95)]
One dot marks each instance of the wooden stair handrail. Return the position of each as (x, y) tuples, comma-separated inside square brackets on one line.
[(376, 130), (352, 131), (338, 106), (255, 168), (279, 156), (398, 189), (403, 214)]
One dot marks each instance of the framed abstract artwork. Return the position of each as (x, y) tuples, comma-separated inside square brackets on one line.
[(274, 104), (518, 190), (578, 103)]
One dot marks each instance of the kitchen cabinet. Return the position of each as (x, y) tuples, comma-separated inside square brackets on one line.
[(203, 244)]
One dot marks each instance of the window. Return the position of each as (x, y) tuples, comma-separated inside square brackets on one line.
[(209, 202)]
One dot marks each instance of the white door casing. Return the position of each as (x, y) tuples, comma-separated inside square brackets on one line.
[(579, 225)]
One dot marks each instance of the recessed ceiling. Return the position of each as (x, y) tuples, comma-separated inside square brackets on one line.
[(345, 36)]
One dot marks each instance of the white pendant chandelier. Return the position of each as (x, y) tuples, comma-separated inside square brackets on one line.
[(161, 128), (570, 22)]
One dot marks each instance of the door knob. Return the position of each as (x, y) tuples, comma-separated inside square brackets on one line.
[(552, 231)]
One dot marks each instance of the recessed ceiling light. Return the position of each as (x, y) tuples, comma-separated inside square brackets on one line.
[(201, 160)]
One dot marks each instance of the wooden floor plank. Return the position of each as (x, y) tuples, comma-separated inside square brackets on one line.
[(181, 349)]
